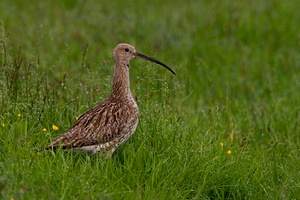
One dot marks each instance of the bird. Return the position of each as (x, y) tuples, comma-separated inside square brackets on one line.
[(108, 125)]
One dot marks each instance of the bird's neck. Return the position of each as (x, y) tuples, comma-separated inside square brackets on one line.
[(121, 85)]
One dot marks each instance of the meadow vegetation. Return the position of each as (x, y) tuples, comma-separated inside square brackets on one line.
[(225, 127)]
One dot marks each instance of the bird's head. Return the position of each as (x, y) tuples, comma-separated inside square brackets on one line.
[(125, 52)]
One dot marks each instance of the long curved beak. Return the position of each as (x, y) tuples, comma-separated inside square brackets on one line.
[(137, 54)]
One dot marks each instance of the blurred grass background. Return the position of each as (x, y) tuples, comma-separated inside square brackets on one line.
[(236, 88)]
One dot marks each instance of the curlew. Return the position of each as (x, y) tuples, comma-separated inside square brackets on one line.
[(110, 123)]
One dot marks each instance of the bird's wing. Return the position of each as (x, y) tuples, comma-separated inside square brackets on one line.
[(99, 125)]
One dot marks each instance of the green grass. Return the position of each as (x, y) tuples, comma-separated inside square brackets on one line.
[(237, 83)]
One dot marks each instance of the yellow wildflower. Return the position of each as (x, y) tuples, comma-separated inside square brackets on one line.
[(76, 118), (55, 128), (44, 129), (221, 144), (3, 125), (228, 152), (19, 115)]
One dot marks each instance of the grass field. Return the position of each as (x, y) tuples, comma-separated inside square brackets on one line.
[(227, 126)]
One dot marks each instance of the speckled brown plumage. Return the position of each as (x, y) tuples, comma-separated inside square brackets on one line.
[(109, 124)]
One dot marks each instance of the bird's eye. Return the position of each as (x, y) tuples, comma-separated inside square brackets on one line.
[(126, 49)]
